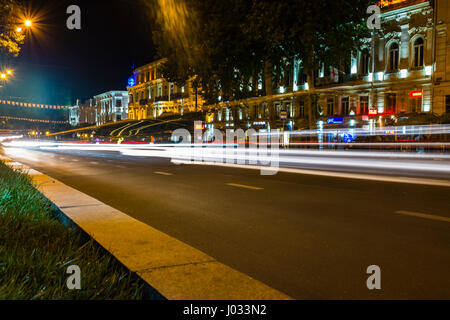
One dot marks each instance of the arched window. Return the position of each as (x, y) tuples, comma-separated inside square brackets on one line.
[(418, 53), (393, 57)]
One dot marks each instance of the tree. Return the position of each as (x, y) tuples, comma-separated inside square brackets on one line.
[(313, 32), (10, 39), (231, 44), (206, 41)]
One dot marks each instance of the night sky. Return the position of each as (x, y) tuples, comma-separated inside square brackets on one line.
[(58, 65)]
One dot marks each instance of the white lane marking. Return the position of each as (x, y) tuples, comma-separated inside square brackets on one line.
[(163, 173), (359, 176), (75, 160), (244, 186), (94, 162), (423, 215)]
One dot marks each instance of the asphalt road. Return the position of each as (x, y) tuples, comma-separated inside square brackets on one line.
[(309, 236)]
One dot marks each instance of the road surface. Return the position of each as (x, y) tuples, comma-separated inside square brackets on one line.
[(309, 236)]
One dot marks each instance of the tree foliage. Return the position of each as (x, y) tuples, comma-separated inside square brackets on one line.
[(231, 44), (10, 39)]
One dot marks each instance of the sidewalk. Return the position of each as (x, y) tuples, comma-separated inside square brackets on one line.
[(171, 267)]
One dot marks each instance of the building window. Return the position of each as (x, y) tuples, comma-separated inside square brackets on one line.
[(447, 104), (393, 57), (330, 106), (345, 106), (364, 105), (365, 61), (418, 53), (159, 91), (416, 105), (391, 102)]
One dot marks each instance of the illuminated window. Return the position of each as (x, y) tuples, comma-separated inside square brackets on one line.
[(393, 57), (416, 104), (345, 106), (364, 105), (391, 102), (330, 106), (418, 53)]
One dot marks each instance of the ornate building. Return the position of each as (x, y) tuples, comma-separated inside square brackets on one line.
[(152, 96), (111, 106), (441, 75), (400, 72)]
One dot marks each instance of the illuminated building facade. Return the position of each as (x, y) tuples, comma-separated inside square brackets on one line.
[(74, 114), (88, 112), (111, 106), (400, 72), (394, 77), (152, 96), (441, 76)]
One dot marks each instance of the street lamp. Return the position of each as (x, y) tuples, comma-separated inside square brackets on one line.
[(27, 23)]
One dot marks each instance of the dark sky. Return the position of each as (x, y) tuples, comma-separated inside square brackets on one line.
[(58, 65)]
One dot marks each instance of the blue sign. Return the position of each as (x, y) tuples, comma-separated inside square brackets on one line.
[(348, 137), (131, 82), (335, 121)]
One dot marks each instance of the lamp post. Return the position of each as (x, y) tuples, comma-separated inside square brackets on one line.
[(8, 72)]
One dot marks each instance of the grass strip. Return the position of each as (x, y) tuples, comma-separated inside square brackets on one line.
[(36, 249)]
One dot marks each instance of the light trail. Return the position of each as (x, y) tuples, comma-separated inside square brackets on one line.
[(263, 155), (378, 131)]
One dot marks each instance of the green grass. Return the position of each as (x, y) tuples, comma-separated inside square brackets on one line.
[(36, 249)]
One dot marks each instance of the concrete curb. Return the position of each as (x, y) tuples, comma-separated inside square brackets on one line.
[(172, 268)]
